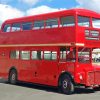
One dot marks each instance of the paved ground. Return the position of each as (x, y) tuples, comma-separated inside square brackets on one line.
[(32, 92)]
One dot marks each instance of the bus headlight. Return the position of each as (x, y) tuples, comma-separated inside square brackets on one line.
[(81, 77)]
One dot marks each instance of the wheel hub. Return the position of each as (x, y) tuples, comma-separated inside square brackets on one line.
[(13, 76), (65, 84)]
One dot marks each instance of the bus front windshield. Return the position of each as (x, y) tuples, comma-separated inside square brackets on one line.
[(96, 23), (84, 55), (96, 55)]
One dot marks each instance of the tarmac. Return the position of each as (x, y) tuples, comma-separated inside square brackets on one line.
[(25, 91)]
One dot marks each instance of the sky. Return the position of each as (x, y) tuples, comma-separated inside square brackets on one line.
[(18, 8)]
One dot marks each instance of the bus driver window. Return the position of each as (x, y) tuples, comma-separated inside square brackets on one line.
[(68, 54), (71, 54)]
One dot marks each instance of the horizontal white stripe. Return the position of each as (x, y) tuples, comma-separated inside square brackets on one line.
[(79, 44), (28, 45)]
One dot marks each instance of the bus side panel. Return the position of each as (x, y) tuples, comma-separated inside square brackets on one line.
[(4, 62), (97, 77)]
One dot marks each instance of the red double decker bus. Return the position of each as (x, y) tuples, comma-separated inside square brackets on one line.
[(55, 49)]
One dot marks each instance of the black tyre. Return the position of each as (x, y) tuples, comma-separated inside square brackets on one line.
[(13, 77), (66, 86)]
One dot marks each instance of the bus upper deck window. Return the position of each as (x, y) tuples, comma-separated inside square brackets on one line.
[(38, 25), (27, 26), (7, 28), (96, 23), (67, 21), (16, 27), (52, 23), (83, 21)]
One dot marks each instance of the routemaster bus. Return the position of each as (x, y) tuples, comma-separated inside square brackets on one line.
[(53, 49)]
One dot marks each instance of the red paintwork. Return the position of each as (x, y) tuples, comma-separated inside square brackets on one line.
[(48, 72)]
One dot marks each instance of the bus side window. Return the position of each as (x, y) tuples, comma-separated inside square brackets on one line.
[(50, 55), (47, 55), (67, 21), (7, 28), (25, 55), (54, 55), (38, 25), (63, 53), (16, 27), (52, 23), (71, 55), (83, 21), (36, 55), (27, 26), (14, 54)]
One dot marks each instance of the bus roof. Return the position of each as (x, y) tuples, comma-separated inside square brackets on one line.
[(78, 11)]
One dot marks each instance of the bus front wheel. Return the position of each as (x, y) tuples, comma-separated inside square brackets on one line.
[(66, 85), (13, 77)]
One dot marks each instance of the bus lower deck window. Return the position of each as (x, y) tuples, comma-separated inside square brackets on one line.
[(36, 55), (14, 54), (25, 55), (50, 55), (63, 55)]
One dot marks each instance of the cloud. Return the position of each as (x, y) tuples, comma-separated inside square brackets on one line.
[(41, 10), (8, 12), (92, 4), (30, 2)]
